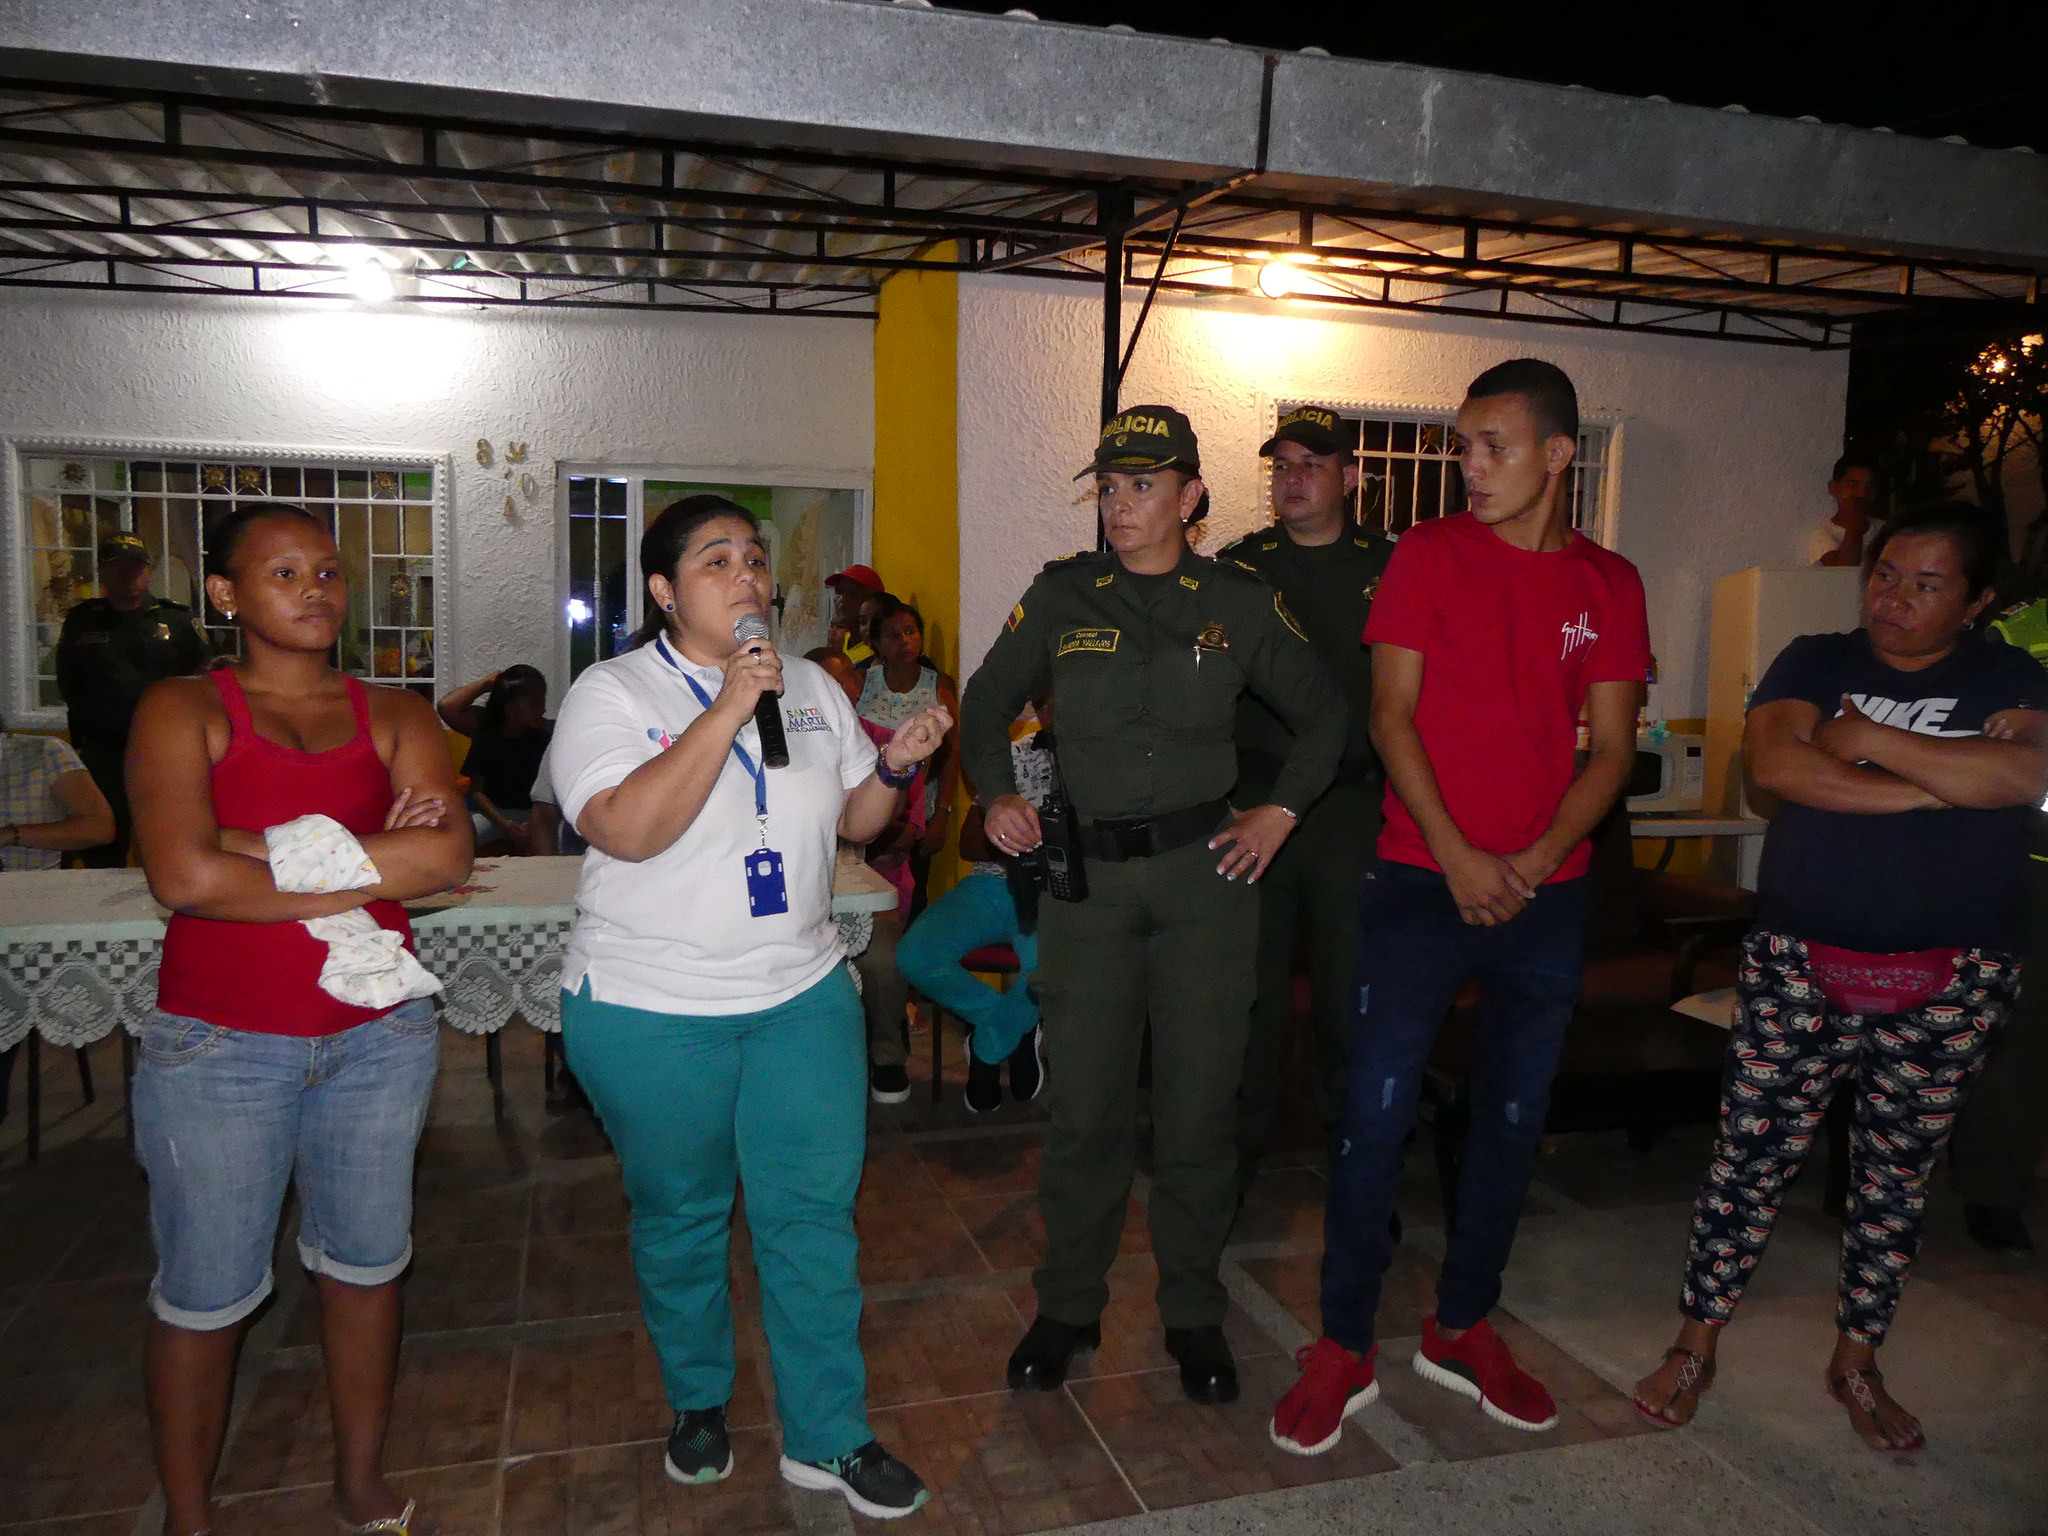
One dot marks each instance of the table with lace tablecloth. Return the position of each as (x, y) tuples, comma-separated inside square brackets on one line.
[(79, 948)]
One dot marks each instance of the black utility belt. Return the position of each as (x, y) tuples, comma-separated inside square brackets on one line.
[(1143, 837)]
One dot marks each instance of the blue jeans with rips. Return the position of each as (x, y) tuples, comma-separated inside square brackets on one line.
[(1415, 953)]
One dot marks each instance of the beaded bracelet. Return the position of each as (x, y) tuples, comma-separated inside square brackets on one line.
[(890, 776)]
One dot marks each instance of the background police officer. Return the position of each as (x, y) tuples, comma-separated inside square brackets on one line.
[(1998, 1140), (1326, 568), (1146, 650), (113, 647)]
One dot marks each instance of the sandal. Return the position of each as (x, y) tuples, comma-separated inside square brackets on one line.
[(1694, 1378), (399, 1524), (1852, 1389)]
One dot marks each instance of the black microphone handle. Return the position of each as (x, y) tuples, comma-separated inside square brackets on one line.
[(768, 720)]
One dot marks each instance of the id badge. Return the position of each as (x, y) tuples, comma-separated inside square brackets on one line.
[(767, 895)]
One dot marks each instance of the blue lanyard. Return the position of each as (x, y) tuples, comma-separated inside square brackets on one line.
[(760, 774)]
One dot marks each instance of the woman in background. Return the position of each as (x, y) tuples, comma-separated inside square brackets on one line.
[(508, 736), (706, 1007), (1905, 757), (252, 1073), (897, 683)]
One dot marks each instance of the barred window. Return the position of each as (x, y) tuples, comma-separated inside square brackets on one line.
[(1408, 468), (384, 514)]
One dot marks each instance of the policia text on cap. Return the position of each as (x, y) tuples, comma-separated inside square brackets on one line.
[(1147, 649)]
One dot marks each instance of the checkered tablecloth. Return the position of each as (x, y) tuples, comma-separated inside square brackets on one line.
[(79, 949)]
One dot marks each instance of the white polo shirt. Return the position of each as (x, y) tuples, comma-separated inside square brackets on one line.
[(674, 933)]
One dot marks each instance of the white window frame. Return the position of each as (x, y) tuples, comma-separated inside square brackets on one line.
[(17, 599), (1606, 528), (636, 477)]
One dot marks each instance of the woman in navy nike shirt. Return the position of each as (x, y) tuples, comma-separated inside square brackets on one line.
[(1905, 758)]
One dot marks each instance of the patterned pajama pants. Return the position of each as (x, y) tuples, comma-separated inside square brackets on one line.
[(1789, 1050)]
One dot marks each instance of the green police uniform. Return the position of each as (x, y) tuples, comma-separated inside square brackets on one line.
[(1998, 1140), (1146, 672), (105, 659), (1310, 894)]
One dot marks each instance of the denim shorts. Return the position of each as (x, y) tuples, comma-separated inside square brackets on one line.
[(224, 1118)]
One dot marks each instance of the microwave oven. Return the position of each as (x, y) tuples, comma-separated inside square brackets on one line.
[(1670, 774)]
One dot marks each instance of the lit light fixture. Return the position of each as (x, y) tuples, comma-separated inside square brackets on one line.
[(1277, 279), (577, 610), (367, 278)]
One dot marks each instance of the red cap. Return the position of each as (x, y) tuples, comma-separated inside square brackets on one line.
[(859, 576)]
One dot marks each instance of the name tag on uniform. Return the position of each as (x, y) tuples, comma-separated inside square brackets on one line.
[(767, 894), (1103, 640)]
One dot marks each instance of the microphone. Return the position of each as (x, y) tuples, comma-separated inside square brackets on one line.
[(768, 708)]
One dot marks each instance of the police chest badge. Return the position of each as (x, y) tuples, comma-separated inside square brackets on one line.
[(163, 631), (1211, 641)]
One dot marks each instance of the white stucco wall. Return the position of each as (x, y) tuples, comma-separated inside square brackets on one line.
[(588, 388), (1725, 448)]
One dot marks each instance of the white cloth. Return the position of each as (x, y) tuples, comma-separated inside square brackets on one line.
[(1825, 540), (367, 966), (674, 933)]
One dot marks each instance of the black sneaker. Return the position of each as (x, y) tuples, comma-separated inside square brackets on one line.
[(871, 1480), (984, 1085), (1998, 1228), (888, 1084), (1027, 1066), (699, 1449)]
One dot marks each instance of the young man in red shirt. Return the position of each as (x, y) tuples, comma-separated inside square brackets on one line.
[(1492, 631)]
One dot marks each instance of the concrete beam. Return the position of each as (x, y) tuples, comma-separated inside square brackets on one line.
[(1476, 144), (815, 74)]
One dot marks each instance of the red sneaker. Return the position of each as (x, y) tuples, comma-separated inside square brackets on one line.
[(1477, 1364), (1334, 1384)]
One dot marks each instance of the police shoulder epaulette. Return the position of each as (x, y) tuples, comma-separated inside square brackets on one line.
[(1239, 569), (1079, 554)]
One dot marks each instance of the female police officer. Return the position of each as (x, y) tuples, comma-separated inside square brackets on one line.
[(1146, 649)]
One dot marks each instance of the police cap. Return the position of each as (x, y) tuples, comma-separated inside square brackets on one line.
[(1315, 427), (1146, 437), (124, 546)]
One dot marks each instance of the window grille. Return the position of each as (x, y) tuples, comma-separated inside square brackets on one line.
[(383, 514), (1408, 469)]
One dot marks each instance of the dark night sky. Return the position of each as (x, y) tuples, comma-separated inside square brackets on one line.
[(1979, 70)]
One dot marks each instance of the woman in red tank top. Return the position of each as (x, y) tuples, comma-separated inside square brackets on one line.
[(253, 1075)]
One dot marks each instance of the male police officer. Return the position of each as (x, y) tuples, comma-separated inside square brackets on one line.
[(1326, 568), (112, 648), (1998, 1140), (1146, 650)]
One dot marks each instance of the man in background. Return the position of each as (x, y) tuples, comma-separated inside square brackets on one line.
[(1998, 1140), (112, 648), (1326, 568), (1858, 490), (854, 591)]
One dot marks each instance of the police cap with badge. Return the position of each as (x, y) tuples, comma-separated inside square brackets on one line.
[(117, 547), (1315, 427), (1146, 437)]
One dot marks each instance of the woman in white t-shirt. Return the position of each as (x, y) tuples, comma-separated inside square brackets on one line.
[(705, 1007)]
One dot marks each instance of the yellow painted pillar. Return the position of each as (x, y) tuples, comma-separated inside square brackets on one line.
[(917, 474)]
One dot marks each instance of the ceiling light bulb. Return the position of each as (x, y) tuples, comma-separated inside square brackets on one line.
[(1276, 279), (371, 283)]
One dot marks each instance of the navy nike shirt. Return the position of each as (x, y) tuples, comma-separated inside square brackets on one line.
[(1937, 879)]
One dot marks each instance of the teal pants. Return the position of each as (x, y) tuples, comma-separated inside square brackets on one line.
[(977, 911), (777, 1099)]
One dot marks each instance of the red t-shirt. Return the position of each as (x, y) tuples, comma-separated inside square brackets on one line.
[(1510, 641)]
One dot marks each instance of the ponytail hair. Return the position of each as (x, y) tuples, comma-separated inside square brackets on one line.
[(662, 546)]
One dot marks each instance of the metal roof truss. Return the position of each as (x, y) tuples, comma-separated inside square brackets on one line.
[(110, 189)]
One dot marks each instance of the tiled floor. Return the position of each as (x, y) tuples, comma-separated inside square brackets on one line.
[(529, 1402)]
